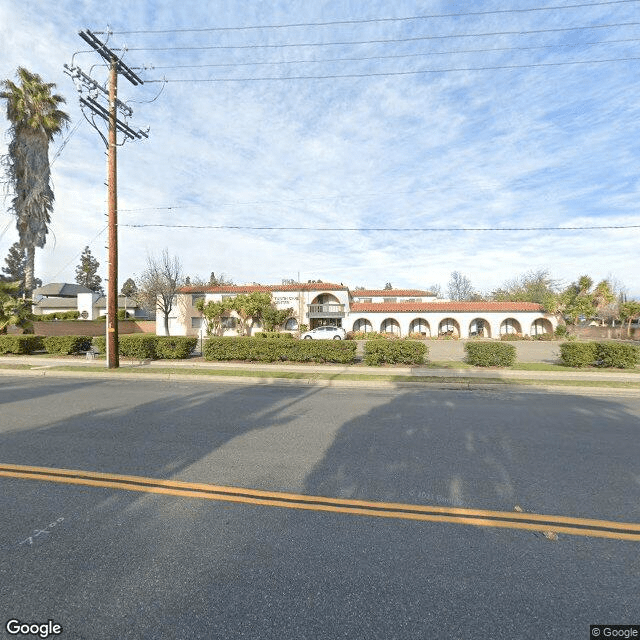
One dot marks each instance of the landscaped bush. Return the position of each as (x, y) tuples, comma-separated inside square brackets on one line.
[(139, 346), (513, 337), (273, 334), (20, 344), (617, 354), (175, 347), (378, 352), (561, 331), (58, 315), (261, 350), (544, 337), (372, 335), (67, 345), (578, 354), (490, 354)]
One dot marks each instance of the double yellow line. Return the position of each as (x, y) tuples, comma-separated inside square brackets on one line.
[(457, 515)]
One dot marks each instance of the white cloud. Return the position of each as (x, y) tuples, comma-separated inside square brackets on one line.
[(548, 146)]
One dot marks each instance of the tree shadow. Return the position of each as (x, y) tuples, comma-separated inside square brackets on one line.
[(192, 568), (548, 453)]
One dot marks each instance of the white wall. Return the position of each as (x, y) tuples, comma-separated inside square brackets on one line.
[(492, 319)]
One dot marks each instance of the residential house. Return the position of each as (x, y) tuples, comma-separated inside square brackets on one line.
[(400, 311)]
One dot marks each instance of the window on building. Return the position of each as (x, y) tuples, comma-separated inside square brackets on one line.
[(196, 323), (420, 325), (448, 327), (390, 326), (389, 299), (510, 325), (291, 325), (195, 297), (362, 324), (229, 323)]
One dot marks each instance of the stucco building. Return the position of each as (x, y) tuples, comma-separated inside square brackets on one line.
[(400, 311)]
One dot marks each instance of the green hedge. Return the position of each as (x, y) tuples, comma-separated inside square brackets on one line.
[(20, 344), (490, 354), (145, 346), (273, 334), (66, 345), (261, 350), (617, 354), (578, 354), (139, 346), (383, 351), (58, 315), (175, 347), (600, 354)]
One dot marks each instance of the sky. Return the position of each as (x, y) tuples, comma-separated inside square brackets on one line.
[(395, 142)]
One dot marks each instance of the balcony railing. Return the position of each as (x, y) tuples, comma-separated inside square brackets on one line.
[(326, 311)]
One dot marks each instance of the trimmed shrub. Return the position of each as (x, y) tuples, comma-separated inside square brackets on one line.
[(20, 344), (138, 346), (513, 337), (544, 337), (617, 354), (67, 345), (58, 315), (100, 343), (561, 330), (175, 347), (578, 354), (372, 335), (377, 352), (273, 334), (141, 347), (490, 354), (261, 350)]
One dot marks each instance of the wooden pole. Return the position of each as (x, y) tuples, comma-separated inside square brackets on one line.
[(112, 197)]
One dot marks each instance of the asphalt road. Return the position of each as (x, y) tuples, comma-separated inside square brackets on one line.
[(107, 562)]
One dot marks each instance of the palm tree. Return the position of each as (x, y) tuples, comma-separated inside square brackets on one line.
[(35, 119)]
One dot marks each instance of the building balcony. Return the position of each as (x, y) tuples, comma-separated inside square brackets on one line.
[(326, 311)]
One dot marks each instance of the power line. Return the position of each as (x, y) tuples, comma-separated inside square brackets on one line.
[(392, 56), (384, 41), (399, 73), (394, 229), (370, 20)]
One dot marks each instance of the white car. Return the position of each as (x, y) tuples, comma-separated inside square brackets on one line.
[(325, 333)]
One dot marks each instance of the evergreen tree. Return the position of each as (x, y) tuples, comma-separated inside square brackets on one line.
[(35, 118), (129, 288), (87, 272), (16, 262)]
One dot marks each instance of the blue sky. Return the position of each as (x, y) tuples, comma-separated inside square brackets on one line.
[(541, 145)]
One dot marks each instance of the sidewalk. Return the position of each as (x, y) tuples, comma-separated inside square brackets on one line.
[(328, 374)]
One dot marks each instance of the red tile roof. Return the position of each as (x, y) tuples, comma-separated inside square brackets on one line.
[(250, 288), (390, 293), (448, 307)]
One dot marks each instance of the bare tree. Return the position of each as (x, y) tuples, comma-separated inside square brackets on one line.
[(159, 283), (459, 287)]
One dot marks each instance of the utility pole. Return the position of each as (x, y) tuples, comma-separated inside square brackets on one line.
[(112, 213), (87, 85)]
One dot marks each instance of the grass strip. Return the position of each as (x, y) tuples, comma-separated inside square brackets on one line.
[(365, 377)]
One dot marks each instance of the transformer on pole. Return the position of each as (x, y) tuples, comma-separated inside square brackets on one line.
[(93, 90)]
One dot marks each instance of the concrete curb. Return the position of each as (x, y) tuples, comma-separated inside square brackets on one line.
[(501, 387)]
